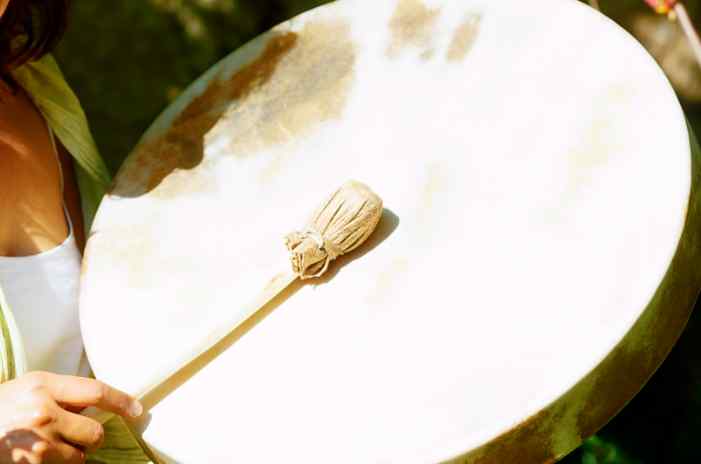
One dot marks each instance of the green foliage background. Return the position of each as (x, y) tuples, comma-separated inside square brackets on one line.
[(128, 59)]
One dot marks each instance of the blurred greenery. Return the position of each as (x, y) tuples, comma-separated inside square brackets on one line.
[(127, 60)]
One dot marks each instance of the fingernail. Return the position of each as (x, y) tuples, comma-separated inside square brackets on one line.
[(135, 409)]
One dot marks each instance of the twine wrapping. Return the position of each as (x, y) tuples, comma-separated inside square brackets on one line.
[(339, 226)]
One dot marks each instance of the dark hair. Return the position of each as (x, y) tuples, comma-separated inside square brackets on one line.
[(29, 29)]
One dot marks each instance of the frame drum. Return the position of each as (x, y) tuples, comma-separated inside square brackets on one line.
[(536, 261)]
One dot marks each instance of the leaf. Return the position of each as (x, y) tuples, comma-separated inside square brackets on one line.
[(60, 107), (13, 361), (120, 446)]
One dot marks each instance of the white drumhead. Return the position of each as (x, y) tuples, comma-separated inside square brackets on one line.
[(536, 169)]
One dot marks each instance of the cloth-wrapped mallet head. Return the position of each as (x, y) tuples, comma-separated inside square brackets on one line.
[(339, 226)]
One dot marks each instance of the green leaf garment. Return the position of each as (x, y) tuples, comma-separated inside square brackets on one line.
[(47, 87)]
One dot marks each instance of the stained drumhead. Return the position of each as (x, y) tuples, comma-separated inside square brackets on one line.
[(536, 171)]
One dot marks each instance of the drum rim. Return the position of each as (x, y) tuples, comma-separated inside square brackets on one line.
[(534, 437)]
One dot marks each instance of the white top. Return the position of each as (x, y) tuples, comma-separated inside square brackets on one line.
[(42, 289)]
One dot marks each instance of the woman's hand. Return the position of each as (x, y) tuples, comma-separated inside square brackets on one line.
[(39, 423)]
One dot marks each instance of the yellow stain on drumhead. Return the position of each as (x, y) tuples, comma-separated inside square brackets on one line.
[(464, 38), (601, 141), (310, 86), (432, 196), (181, 148), (124, 251), (595, 150), (273, 168), (412, 25), (427, 54), (387, 280)]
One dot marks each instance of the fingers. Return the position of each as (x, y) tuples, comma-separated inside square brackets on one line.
[(39, 448), (80, 430), (83, 392), (80, 392), (66, 454)]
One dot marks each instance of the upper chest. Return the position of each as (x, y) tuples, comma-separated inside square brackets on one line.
[(31, 199), (25, 142)]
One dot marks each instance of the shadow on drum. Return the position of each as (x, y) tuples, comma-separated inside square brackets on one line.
[(180, 144), (386, 227)]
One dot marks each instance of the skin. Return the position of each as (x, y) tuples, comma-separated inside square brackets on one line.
[(39, 423), (33, 202)]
